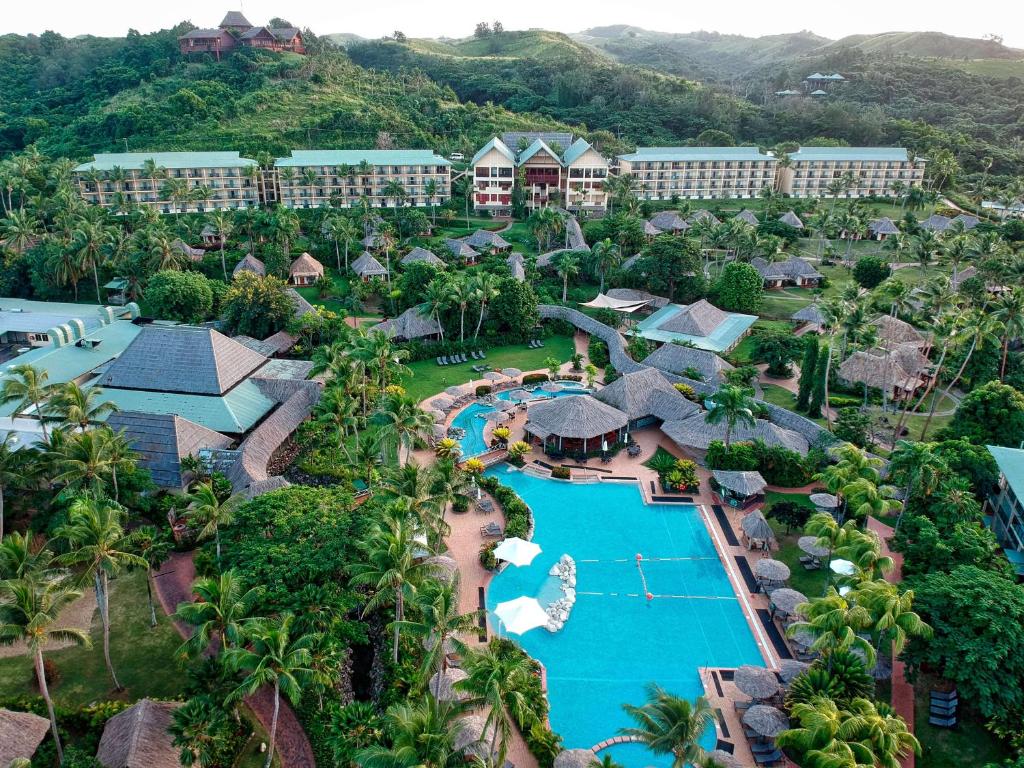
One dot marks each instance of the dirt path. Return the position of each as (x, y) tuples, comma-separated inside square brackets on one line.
[(173, 584)]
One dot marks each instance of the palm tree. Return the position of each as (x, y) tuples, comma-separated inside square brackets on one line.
[(272, 657), (918, 467), (212, 513), (437, 297), (391, 569), (385, 358), (485, 288), (82, 460), (1009, 311), (153, 547), (342, 231), (119, 453), (568, 266), (438, 626), (29, 613), (19, 230), (496, 681), (201, 729), (430, 190), (670, 725), (79, 406), (223, 225), (864, 550), (340, 412), (26, 386), (835, 625), (733, 405), (460, 293), (176, 191), (865, 499), (17, 468), (221, 610), (394, 190), (98, 543), (423, 733), (22, 555), (891, 617), (404, 423), (606, 255)]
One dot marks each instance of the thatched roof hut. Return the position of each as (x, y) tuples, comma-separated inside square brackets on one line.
[(576, 758), (442, 685), (138, 737), (698, 319), (883, 227), (901, 369), (790, 218), (305, 269), (474, 737), (668, 221), (414, 323), (421, 255), (697, 433), (896, 331), (747, 216), (677, 359), (646, 393), (811, 314), (743, 484), (576, 416), (367, 266), (249, 263), (21, 733)]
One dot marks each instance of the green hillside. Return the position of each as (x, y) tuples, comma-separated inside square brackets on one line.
[(924, 44)]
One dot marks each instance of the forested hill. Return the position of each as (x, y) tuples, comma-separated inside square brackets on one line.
[(73, 97)]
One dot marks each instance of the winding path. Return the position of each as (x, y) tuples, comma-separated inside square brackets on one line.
[(173, 584)]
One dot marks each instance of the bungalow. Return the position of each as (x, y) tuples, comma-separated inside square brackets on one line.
[(747, 216), (186, 250), (695, 434), (882, 228), (739, 489), (966, 221), (790, 218), (701, 324), (810, 315), (575, 424), (462, 250), (794, 271), (691, 363), (651, 231), (703, 214), (668, 221), (647, 398), (139, 737), (967, 273), (305, 270), (211, 236), (936, 223), (892, 330), (414, 323), (249, 263), (367, 267), (483, 240), (21, 733), (899, 373), (421, 256), (516, 266)]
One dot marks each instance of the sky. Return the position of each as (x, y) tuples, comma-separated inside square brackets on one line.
[(456, 18)]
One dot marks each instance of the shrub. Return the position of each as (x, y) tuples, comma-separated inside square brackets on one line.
[(183, 296), (853, 426), (517, 514), (487, 558), (790, 514), (483, 389), (687, 391), (685, 472), (560, 473), (597, 351), (870, 271), (778, 465), (460, 504), (534, 378)]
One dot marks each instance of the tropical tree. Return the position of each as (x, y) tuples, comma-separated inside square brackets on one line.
[(460, 294), (918, 468), (91, 238), (81, 460), (485, 287), (342, 232), (606, 255), (271, 656), (390, 569), (404, 422), (153, 547), (29, 612), (423, 733), (80, 407), (27, 387), (17, 468), (221, 610), (437, 298), (835, 624), (1009, 311), (438, 625), (99, 545), (212, 513), (568, 266), (223, 225), (339, 411), (202, 730), (670, 725), (892, 618), (733, 405)]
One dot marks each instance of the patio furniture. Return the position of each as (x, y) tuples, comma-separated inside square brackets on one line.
[(439, 361), (486, 506), (491, 529), (482, 355), (768, 759), (942, 722)]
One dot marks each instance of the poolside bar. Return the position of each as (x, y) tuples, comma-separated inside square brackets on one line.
[(575, 424)]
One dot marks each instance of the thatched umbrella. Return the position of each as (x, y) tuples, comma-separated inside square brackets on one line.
[(575, 758), (436, 415), (824, 500), (495, 416), (456, 390), (503, 405), (803, 638), (723, 759), (442, 685), (766, 721), (473, 737), (552, 386), (771, 570), (442, 403), (493, 376), (440, 432), (791, 668), (756, 527), (512, 373), (786, 600), (757, 682), (519, 394), (442, 567), (810, 545)]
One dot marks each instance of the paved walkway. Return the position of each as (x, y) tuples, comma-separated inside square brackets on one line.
[(174, 585)]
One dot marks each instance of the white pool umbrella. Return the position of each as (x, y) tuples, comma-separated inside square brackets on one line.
[(843, 567), (521, 615), (517, 551), (511, 372)]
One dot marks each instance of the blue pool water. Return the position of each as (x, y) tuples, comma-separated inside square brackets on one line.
[(615, 640), (473, 443)]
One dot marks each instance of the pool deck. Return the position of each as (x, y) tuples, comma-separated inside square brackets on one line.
[(466, 539)]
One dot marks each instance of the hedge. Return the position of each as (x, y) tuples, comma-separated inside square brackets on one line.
[(534, 378), (777, 465), (517, 514)]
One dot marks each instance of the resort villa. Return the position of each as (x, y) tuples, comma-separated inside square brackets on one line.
[(548, 168), (236, 31), (849, 171), (305, 270), (696, 173), (794, 271), (701, 324), (1005, 507), (171, 182)]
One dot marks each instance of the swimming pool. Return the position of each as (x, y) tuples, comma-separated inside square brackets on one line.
[(473, 444), (615, 640)]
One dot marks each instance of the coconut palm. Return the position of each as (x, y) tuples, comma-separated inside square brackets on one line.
[(404, 423), (918, 467), (223, 225), (342, 231), (99, 545), (890, 610), (568, 266), (485, 288), (670, 725), (27, 387), (80, 407), (606, 255), (120, 456), (460, 294), (865, 499), (818, 737), (29, 612), (17, 469), (423, 733), (340, 412), (497, 681), (413, 486), (384, 358), (1009, 311), (864, 550), (23, 555), (202, 730), (271, 656), (211, 513), (19, 230), (90, 240), (733, 405), (221, 609), (391, 569), (81, 460), (436, 299), (835, 624), (438, 625), (149, 543)]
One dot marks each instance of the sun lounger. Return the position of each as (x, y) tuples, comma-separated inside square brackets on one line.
[(943, 695), (464, 359), (482, 355), (485, 505), (764, 747), (942, 722), (491, 529)]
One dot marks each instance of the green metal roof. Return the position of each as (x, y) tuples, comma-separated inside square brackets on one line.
[(692, 154), (575, 151), (67, 363), (1011, 464), (720, 339), (538, 145), (849, 153), (136, 160), (237, 411), (497, 144), (353, 157)]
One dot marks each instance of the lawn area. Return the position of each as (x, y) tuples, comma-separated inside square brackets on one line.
[(143, 657), (967, 744), (780, 305), (340, 290), (428, 378), (251, 756), (811, 583)]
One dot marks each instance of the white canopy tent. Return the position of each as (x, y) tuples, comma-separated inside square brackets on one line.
[(619, 305)]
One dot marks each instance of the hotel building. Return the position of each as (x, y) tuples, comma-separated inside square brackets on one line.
[(862, 171), (695, 173)]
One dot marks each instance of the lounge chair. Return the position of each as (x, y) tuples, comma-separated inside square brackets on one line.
[(936, 711), (942, 722), (482, 355), (943, 695), (438, 359), (768, 759), (464, 358), (485, 505), (491, 529)]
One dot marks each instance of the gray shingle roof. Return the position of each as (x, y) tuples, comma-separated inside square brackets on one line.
[(810, 314), (516, 267), (632, 294), (790, 218), (138, 737), (461, 249), (182, 359), (163, 440), (748, 216), (675, 358), (743, 483), (698, 319), (646, 393), (884, 226), (265, 348), (421, 255), (21, 733), (791, 269), (411, 324), (696, 432), (368, 266), (969, 221), (574, 416), (936, 223), (302, 307), (484, 239), (235, 19), (702, 214), (249, 263)]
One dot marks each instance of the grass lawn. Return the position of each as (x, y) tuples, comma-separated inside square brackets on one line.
[(340, 290), (428, 378), (811, 583), (783, 398), (967, 744), (143, 657), (251, 756)]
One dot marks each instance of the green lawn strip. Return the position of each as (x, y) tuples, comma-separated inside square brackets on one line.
[(143, 657), (781, 306), (967, 744), (810, 583), (428, 378), (250, 755)]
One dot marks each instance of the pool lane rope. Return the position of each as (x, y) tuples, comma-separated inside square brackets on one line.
[(643, 578)]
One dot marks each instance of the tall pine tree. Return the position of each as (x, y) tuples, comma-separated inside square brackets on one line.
[(808, 370), (818, 391)]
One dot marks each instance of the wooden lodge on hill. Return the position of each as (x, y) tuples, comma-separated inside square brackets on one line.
[(236, 31)]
